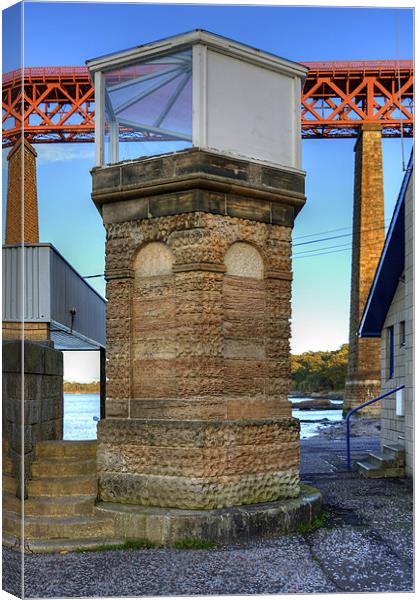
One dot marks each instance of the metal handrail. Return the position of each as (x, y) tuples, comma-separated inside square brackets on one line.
[(353, 410)]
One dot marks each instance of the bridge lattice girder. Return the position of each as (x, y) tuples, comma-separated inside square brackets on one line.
[(56, 104)]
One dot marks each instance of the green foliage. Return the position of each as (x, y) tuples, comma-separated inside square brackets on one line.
[(194, 544), (315, 524), (188, 544), (127, 545), (320, 371), (138, 544)]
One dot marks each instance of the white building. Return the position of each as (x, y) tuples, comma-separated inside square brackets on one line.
[(389, 315)]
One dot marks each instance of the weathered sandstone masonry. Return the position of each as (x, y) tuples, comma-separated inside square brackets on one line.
[(22, 195), (198, 284), (363, 373), (32, 401), (22, 224)]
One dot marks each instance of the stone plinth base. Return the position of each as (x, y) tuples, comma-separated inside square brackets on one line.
[(358, 392), (223, 526), (198, 464)]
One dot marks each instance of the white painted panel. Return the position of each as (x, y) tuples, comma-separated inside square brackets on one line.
[(399, 403), (199, 96), (251, 111), (99, 119)]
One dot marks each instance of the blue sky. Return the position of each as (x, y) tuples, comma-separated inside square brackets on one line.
[(69, 34)]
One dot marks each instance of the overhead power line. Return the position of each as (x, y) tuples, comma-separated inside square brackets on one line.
[(301, 237), (321, 253), (323, 248), (335, 237)]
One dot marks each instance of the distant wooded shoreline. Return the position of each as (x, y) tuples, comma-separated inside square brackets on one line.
[(73, 387), (319, 374)]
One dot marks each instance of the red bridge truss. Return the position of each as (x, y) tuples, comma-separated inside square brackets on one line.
[(56, 104)]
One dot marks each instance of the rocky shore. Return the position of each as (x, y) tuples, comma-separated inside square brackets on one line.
[(360, 427), (337, 395), (317, 404)]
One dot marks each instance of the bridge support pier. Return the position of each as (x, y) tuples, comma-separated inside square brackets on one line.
[(22, 227), (363, 372)]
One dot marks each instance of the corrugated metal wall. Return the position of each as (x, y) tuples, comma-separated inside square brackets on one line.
[(51, 289), (69, 290), (36, 284)]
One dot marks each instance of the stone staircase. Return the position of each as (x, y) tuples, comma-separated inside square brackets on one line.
[(388, 463), (60, 508)]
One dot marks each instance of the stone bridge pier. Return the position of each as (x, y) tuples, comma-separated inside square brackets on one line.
[(363, 380)]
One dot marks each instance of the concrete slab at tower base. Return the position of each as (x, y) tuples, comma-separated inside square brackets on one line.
[(163, 526)]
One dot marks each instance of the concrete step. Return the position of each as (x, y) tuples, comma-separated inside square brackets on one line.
[(10, 484), (367, 469), (65, 506), (82, 485), (11, 502), (384, 461), (63, 467), (66, 449), (59, 544), (58, 527), (7, 465), (393, 449)]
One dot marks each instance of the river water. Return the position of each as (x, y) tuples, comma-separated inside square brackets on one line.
[(81, 413)]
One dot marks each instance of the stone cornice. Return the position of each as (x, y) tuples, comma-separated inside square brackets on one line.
[(237, 187)]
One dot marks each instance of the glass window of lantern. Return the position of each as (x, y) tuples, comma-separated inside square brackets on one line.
[(148, 107)]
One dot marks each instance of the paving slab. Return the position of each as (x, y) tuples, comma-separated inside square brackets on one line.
[(366, 545), (356, 561)]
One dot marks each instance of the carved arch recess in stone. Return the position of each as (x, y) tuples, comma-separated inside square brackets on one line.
[(153, 330), (153, 260), (244, 260), (244, 301)]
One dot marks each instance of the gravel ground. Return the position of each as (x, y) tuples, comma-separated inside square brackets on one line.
[(365, 546)]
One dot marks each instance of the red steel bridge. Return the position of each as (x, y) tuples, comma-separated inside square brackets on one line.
[(56, 104)]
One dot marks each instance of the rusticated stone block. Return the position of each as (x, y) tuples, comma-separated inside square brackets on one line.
[(257, 408), (194, 493), (192, 464), (206, 407), (198, 462), (197, 434), (116, 408)]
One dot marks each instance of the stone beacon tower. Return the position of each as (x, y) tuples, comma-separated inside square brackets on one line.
[(363, 381), (198, 266)]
